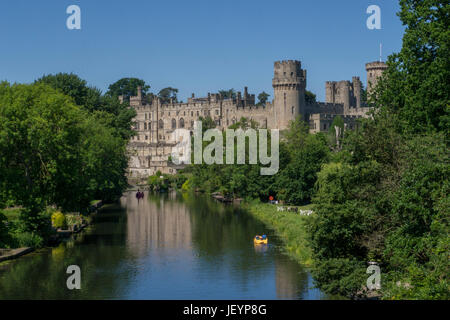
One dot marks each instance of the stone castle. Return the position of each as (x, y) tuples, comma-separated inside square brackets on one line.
[(155, 122)]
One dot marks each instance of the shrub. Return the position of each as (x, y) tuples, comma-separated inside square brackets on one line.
[(59, 220), (187, 185), (3, 231), (28, 239)]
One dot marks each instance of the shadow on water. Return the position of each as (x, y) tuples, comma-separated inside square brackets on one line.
[(168, 246)]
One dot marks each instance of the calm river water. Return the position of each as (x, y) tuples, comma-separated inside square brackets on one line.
[(162, 247)]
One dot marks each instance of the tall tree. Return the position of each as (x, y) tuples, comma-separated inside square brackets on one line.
[(127, 87), (228, 94), (72, 85), (168, 94), (262, 98), (415, 88), (310, 97), (90, 98)]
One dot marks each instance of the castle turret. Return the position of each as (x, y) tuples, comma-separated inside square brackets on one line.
[(357, 90), (374, 72), (289, 83)]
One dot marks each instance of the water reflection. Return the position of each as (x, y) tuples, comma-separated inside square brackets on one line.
[(163, 247)]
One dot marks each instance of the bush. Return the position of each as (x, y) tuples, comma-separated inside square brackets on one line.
[(72, 220), (28, 239), (59, 220), (187, 186), (3, 231)]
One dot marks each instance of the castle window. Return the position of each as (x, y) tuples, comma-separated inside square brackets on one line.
[(217, 112), (145, 116), (161, 124), (198, 114), (292, 74), (192, 123), (174, 124), (146, 137), (148, 126), (324, 126), (181, 123), (192, 113), (292, 110)]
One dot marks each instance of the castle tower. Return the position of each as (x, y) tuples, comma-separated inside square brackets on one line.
[(374, 72), (289, 83), (357, 91)]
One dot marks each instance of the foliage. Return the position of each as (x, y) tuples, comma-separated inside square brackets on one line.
[(59, 220), (28, 239), (127, 87), (262, 98), (228, 94), (415, 88), (52, 150), (108, 108), (310, 97), (187, 186), (4, 236), (75, 87), (295, 182), (168, 94)]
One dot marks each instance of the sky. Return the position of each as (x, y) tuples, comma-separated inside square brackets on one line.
[(195, 46)]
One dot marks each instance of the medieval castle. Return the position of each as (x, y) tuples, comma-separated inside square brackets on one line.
[(156, 123)]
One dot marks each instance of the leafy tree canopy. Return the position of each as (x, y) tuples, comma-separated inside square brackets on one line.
[(168, 94), (127, 87)]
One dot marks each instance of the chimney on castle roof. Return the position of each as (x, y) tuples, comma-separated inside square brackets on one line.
[(139, 92), (245, 96)]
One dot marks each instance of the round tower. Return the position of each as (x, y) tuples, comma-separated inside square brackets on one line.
[(374, 71), (289, 83)]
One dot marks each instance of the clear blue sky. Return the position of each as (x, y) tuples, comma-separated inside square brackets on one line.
[(195, 46)]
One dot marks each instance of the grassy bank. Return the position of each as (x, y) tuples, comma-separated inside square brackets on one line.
[(289, 226)]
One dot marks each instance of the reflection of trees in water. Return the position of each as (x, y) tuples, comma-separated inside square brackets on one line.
[(109, 251), (98, 251), (291, 281)]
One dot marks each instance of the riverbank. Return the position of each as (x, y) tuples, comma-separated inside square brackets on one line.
[(288, 225)]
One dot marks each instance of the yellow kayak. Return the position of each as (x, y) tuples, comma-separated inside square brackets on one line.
[(260, 240)]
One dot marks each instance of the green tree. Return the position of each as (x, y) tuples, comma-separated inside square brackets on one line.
[(54, 152), (228, 94), (168, 94), (310, 97), (72, 85), (262, 98), (295, 182), (415, 88), (118, 115), (127, 87)]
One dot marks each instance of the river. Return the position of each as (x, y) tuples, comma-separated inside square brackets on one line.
[(167, 246)]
